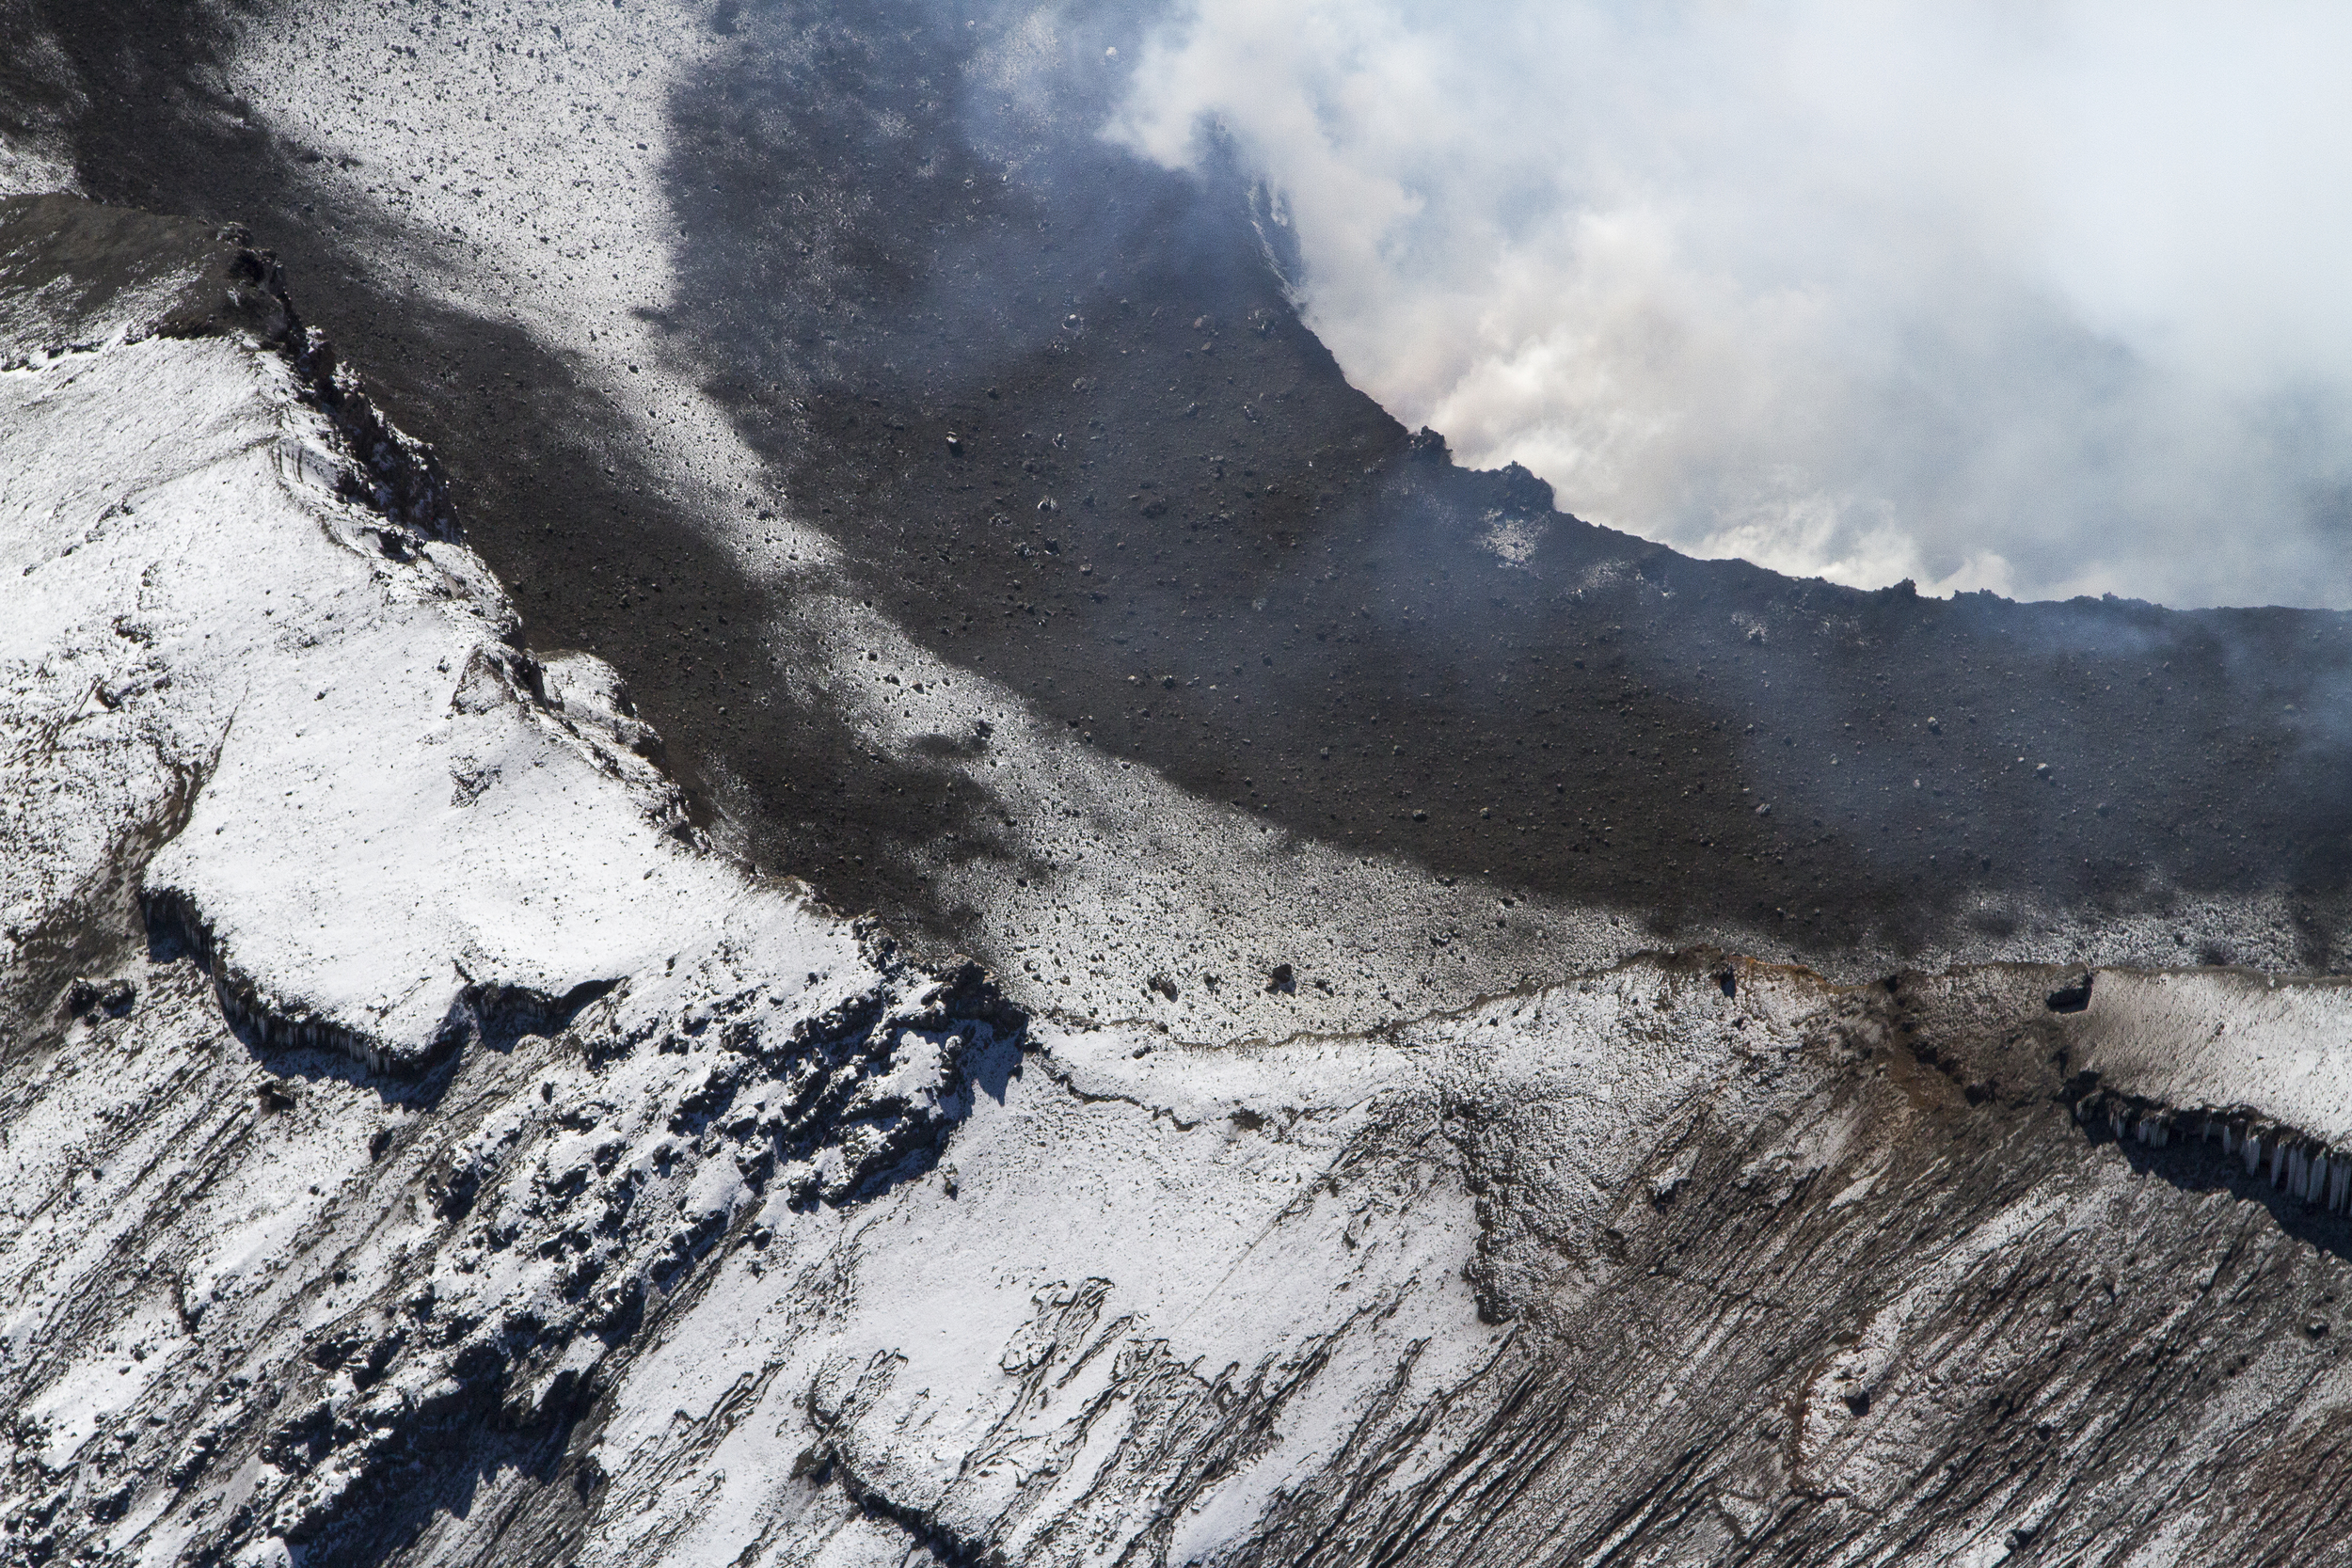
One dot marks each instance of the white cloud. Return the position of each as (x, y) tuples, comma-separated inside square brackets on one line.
[(2049, 298)]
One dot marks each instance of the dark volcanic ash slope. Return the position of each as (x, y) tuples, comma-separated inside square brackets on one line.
[(445, 1158), (1371, 645), (1055, 410)]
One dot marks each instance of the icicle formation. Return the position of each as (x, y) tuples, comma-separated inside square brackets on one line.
[(2296, 1163)]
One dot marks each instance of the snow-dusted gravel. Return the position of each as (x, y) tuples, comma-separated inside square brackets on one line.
[(420, 1141), (419, 1144), (520, 169), (383, 814), (434, 966)]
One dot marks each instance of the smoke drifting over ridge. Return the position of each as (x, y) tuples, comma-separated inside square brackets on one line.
[(2047, 299)]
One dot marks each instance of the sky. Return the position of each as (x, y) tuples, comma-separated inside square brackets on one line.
[(2045, 299)]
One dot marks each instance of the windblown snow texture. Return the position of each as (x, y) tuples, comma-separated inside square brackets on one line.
[(419, 1145)]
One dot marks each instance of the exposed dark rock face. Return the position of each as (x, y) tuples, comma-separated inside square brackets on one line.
[(559, 1180), (72, 272), (1692, 1260), (1871, 1291), (1877, 1299), (1865, 1289)]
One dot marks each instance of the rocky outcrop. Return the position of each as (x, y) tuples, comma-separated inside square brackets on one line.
[(550, 1197), (377, 1238), (76, 275), (451, 1157)]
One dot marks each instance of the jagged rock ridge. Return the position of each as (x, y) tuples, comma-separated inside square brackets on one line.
[(771, 1246)]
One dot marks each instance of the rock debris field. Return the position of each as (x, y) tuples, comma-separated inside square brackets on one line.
[(744, 820)]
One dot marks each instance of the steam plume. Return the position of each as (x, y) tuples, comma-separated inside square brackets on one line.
[(2048, 299)]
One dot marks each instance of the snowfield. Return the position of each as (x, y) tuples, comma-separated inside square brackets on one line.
[(419, 1144)]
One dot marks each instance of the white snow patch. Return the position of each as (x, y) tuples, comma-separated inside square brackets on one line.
[(2226, 1039), (387, 819)]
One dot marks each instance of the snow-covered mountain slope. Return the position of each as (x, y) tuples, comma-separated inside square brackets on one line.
[(418, 1145), (690, 296), (377, 854), (390, 822)]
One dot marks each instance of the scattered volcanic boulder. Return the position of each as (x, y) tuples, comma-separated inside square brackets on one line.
[(449, 1114)]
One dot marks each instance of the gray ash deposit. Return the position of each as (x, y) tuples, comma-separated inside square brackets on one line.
[(1493, 1041), (934, 315)]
